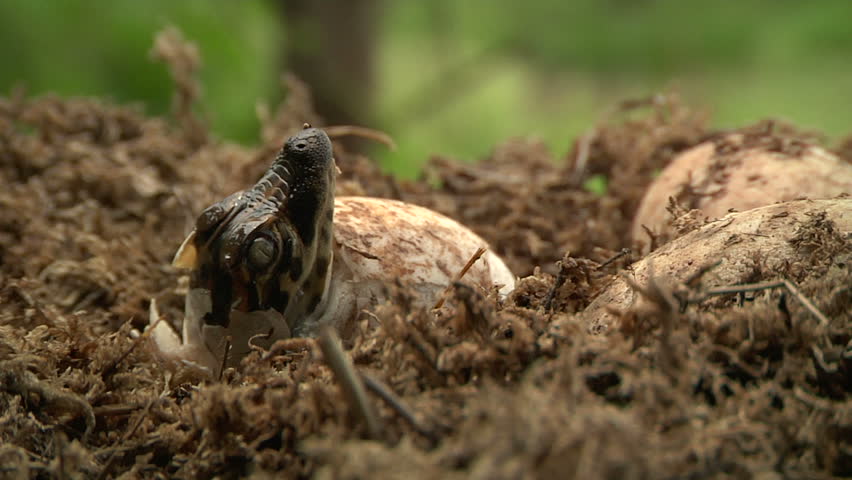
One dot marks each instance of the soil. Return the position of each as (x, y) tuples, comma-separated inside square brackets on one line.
[(97, 197)]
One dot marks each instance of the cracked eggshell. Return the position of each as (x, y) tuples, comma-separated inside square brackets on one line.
[(380, 240), (719, 176), (761, 239)]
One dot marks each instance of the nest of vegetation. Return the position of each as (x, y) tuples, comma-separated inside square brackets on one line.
[(97, 197)]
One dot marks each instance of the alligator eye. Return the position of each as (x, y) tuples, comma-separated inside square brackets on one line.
[(261, 254)]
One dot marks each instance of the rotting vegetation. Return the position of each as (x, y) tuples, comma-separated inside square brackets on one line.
[(97, 198)]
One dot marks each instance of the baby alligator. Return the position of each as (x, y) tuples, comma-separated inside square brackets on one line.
[(276, 261)]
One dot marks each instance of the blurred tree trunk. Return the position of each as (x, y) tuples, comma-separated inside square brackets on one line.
[(331, 45)]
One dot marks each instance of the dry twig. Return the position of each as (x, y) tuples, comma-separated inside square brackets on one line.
[(551, 294), (225, 356), (624, 251), (350, 381), (111, 459), (467, 266), (363, 132), (136, 342), (390, 398), (753, 287), (183, 61)]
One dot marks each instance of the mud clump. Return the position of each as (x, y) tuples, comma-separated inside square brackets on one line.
[(98, 197)]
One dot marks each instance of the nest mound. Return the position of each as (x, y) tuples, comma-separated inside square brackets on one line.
[(97, 198)]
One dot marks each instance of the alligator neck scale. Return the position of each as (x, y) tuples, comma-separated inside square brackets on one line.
[(269, 247)]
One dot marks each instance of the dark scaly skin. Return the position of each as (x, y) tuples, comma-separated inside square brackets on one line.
[(291, 210)]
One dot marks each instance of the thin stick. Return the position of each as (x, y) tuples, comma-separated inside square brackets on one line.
[(392, 400), (260, 335), (624, 251), (823, 320), (225, 356), (301, 373), (115, 409), (363, 132), (584, 146), (125, 437), (288, 345), (349, 380), (476, 256), (138, 340), (652, 245), (753, 287), (61, 443), (417, 343), (557, 284), (202, 444)]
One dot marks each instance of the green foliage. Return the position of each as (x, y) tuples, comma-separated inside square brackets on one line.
[(596, 184), (456, 77), (551, 68), (92, 48)]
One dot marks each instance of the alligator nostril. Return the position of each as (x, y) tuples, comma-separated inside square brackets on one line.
[(301, 145)]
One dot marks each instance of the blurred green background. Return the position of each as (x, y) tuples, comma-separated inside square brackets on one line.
[(450, 77)]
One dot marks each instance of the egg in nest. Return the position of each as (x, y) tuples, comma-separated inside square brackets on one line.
[(285, 257)]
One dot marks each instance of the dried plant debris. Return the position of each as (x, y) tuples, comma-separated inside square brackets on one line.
[(184, 61), (534, 210), (683, 384)]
